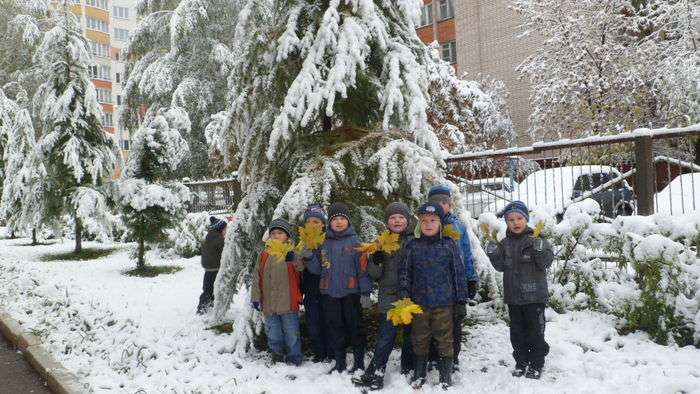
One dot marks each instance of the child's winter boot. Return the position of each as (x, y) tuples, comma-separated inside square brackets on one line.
[(420, 366), (358, 360), (533, 373), (445, 369)]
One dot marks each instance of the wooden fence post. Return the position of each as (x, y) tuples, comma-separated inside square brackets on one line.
[(644, 178)]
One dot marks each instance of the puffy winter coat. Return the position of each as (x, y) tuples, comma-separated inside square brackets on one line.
[(464, 246), (276, 285), (523, 261), (387, 272), (343, 269), (432, 273), (212, 247)]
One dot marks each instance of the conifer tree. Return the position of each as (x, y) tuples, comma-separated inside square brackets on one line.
[(76, 152)]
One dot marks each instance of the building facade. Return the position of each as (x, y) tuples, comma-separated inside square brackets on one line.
[(107, 25), (481, 37)]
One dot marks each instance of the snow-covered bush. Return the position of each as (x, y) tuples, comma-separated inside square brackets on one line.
[(668, 275), (151, 205), (186, 238)]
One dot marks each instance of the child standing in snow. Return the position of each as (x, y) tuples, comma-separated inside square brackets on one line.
[(384, 268), (275, 292), (212, 247), (523, 259), (314, 215), (344, 286), (432, 275)]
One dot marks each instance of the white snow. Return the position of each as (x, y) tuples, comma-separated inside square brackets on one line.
[(124, 334)]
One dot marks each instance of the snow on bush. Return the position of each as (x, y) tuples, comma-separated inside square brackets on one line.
[(185, 240)]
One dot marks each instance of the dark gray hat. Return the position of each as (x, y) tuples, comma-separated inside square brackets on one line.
[(282, 225), (397, 207)]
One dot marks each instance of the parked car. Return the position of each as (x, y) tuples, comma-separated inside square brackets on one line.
[(480, 193), (558, 187)]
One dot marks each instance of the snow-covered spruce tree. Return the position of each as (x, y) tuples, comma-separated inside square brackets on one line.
[(606, 66), (75, 150), (328, 102), (21, 203), (150, 204), (179, 57)]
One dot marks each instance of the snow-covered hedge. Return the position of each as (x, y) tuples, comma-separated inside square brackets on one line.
[(645, 270), (186, 238)]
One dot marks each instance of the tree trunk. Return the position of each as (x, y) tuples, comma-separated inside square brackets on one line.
[(140, 263), (696, 144), (78, 236), (34, 242)]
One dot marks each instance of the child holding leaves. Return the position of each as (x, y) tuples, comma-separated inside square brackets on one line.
[(275, 292)]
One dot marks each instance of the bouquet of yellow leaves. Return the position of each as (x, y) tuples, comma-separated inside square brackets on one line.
[(486, 230), (278, 249), (403, 311), (451, 231), (538, 229), (311, 236), (387, 242)]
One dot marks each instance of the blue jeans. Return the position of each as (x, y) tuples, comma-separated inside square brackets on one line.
[(283, 336), (385, 344), (315, 322)]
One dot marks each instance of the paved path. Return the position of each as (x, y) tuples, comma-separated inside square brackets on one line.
[(16, 375)]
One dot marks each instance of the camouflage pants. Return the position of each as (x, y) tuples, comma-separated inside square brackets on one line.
[(436, 324)]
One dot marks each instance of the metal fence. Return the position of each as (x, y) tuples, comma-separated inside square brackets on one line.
[(640, 172), (214, 196)]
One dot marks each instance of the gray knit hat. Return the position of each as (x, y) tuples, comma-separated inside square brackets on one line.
[(282, 225), (397, 207)]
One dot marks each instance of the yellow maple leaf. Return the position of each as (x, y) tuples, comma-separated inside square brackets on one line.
[(451, 231), (388, 242), (538, 229), (368, 247), (278, 249), (486, 230), (403, 311), (311, 236)]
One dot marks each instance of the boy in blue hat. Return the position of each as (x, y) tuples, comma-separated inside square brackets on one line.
[(432, 275), (524, 260), (441, 194)]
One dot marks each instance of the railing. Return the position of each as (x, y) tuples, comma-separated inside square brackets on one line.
[(214, 196), (639, 172)]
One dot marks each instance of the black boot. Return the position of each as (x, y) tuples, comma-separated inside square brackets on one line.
[(420, 365), (373, 378), (533, 373), (519, 370), (445, 369), (358, 360), (340, 364)]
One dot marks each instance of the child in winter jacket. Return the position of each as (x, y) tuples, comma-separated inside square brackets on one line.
[(432, 275), (523, 259), (320, 344), (275, 292), (343, 282), (212, 247), (384, 268), (441, 194)]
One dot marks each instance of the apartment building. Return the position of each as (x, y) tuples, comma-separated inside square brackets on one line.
[(107, 25), (481, 37)]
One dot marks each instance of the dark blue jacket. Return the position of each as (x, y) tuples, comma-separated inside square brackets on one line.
[(343, 269), (433, 272), (464, 246), (309, 280)]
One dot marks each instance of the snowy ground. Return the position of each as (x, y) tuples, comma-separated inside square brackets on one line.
[(126, 335)]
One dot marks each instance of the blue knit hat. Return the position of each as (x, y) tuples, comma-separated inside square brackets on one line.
[(518, 207), (216, 224), (432, 208), (281, 224), (440, 193), (316, 211)]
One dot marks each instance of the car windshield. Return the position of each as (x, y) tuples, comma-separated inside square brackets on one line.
[(591, 181)]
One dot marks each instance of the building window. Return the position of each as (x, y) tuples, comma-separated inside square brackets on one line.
[(121, 34), (97, 4), (104, 95), (99, 72), (121, 12), (97, 49), (449, 52), (426, 15), (447, 11), (97, 24), (107, 119), (125, 144), (118, 78), (119, 99)]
